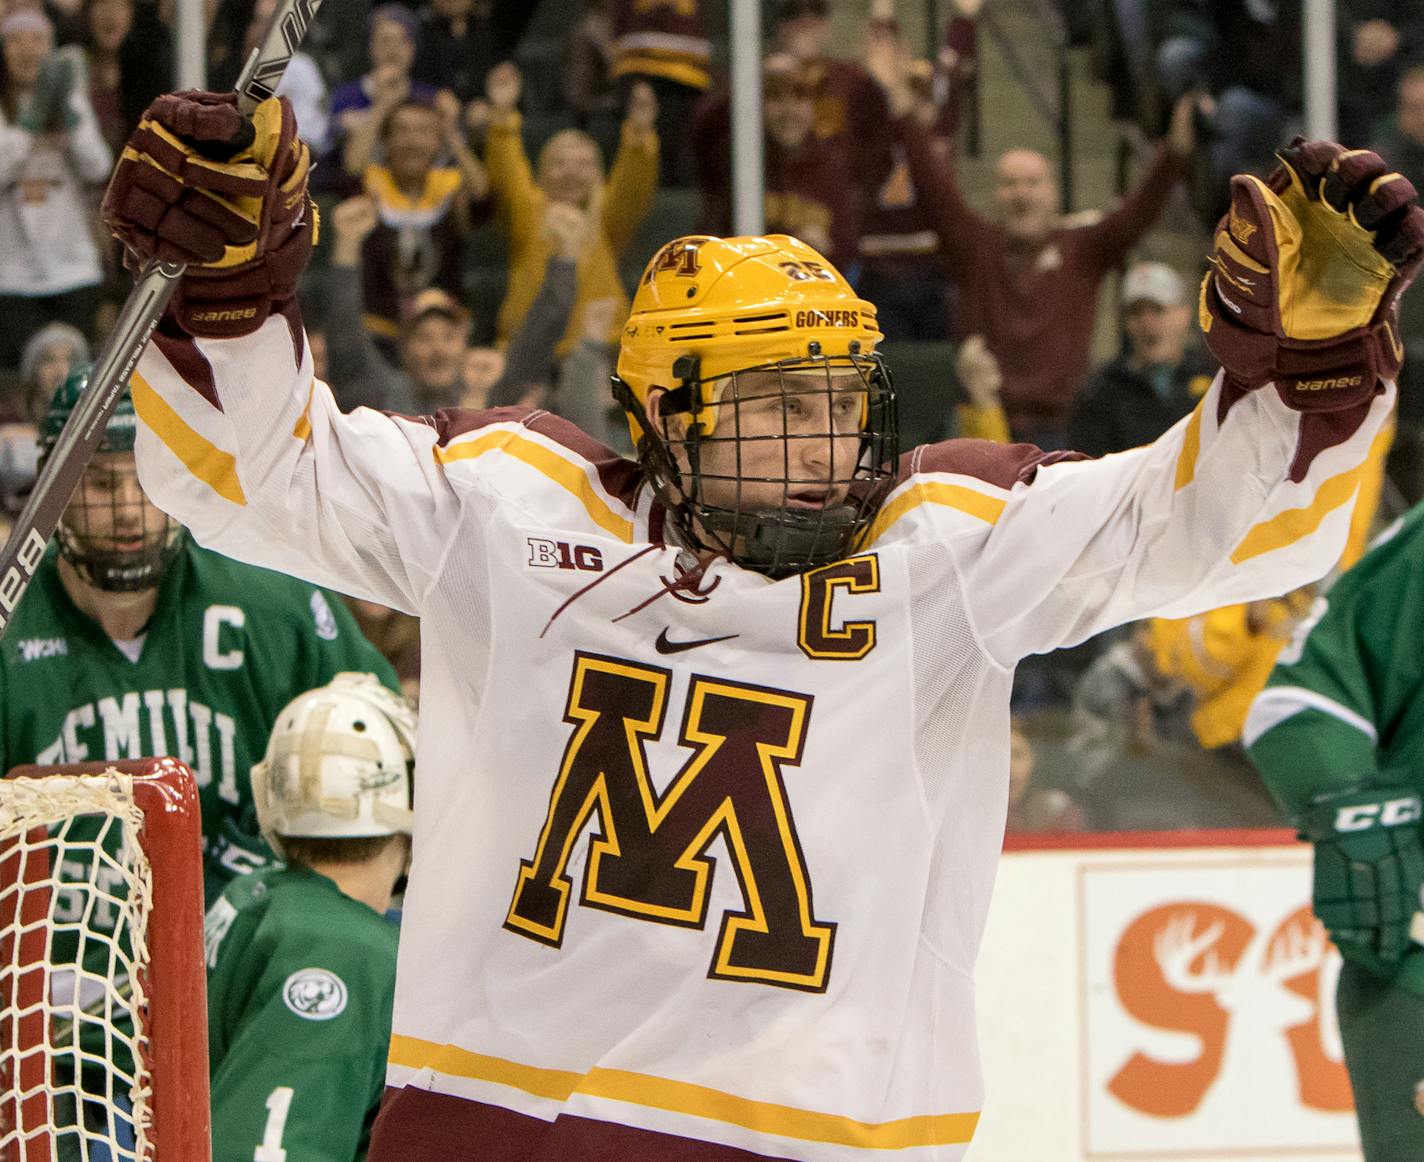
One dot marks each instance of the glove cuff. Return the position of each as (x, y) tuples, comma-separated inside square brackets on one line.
[(1361, 810), (1325, 375)]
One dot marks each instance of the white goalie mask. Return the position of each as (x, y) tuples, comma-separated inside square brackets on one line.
[(338, 764)]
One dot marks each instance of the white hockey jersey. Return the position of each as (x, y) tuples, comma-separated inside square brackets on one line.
[(701, 870)]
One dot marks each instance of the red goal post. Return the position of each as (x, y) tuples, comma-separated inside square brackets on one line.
[(103, 1002)]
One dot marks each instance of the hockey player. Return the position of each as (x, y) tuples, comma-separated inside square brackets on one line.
[(132, 640), (301, 958), (714, 744), (1336, 734)]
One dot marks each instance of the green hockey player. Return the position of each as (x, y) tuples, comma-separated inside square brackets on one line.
[(302, 959), (133, 641), (1338, 735)]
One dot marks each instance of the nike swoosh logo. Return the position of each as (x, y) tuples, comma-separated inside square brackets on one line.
[(663, 646)]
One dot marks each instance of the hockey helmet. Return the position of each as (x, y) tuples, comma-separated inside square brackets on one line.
[(339, 764), (720, 322), (115, 539)]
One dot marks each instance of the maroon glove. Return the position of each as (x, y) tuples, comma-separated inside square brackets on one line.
[(240, 218), (1307, 272)]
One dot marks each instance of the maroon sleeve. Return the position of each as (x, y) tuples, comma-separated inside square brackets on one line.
[(935, 189), (1003, 465), (1108, 241)]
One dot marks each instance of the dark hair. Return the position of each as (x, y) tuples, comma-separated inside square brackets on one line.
[(310, 850)]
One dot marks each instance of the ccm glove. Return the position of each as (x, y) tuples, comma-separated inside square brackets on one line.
[(1306, 275), (243, 223), (1369, 866)]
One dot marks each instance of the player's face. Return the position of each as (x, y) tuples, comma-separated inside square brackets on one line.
[(795, 446), (25, 51), (569, 168), (390, 47), (1156, 334), (110, 512), (1025, 195)]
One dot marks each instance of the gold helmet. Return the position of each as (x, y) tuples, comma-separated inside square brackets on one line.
[(707, 312)]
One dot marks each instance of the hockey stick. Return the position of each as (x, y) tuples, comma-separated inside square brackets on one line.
[(84, 429)]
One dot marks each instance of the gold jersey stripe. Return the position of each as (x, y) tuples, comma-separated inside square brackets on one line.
[(966, 500), (1285, 528), (301, 430), (682, 1097), (565, 474), (209, 463), (1191, 448)]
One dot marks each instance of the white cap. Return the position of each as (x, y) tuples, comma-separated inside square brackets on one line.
[(1153, 282), (338, 764)]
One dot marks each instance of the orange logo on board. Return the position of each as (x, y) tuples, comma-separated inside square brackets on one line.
[(1252, 998)]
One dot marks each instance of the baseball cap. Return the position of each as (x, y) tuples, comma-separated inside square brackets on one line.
[(1153, 282), (433, 301)]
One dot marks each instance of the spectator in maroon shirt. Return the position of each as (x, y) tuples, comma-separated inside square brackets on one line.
[(810, 192), (903, 270), (1028, 282), (850, 108)]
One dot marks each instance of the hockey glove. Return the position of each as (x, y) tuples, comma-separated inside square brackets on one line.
[(1369, 866), (244, 224), (1306, 275)]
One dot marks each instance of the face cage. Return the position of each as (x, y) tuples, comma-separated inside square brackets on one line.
[(115, 570), (782, 538)]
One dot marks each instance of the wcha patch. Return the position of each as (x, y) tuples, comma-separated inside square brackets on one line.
[(315, 994)]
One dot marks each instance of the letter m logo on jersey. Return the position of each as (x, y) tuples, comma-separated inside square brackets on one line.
[(649, 858)]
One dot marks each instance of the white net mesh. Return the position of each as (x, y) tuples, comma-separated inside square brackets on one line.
[(75, 899)]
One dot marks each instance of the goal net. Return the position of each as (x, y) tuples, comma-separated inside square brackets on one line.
[(103, 1015)]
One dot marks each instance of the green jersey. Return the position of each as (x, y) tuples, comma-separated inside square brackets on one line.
[(300, 983), (228, 646), (1345, 702)]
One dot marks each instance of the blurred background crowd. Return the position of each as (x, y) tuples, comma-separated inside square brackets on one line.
[(1025, 188)]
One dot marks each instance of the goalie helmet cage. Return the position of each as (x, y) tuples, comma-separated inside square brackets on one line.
[(127, 838)]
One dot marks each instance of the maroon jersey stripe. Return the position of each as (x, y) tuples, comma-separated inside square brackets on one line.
[(183, 354), (416, 1123)]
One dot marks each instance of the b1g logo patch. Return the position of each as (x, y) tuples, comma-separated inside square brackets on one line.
[(544, 554), (315, 994)]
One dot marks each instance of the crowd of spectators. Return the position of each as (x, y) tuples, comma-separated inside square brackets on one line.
[(494, 174)]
